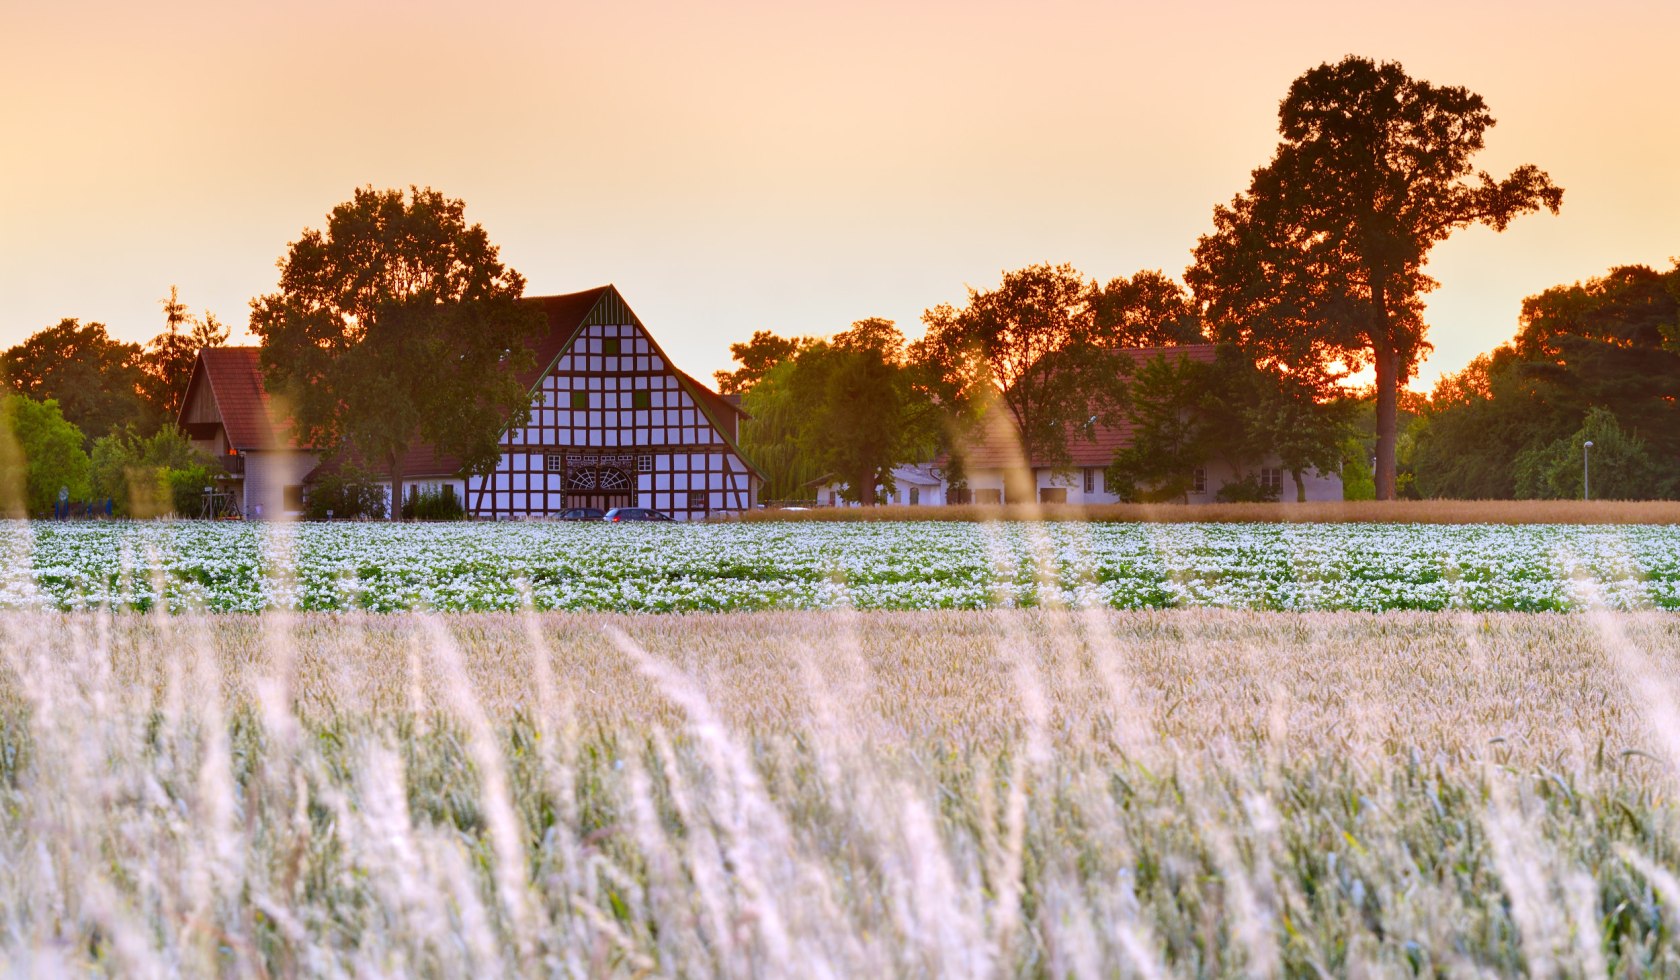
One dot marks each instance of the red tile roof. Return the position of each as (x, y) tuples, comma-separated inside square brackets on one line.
[(998, 444), (566, 314), (235, 379)]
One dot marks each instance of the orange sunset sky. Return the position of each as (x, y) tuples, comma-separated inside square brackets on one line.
[(787, 166)]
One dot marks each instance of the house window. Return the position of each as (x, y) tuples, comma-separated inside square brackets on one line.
[(644, 464), (641, 398), (580, 400), (915, 496), (1090, 480), (1052, 495), (1271, 478), (697, 500), (291, 497), (1198, 480), (554, 463), (609, 346)]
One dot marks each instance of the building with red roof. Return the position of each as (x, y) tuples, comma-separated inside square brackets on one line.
[(997, 471), (613, 424)]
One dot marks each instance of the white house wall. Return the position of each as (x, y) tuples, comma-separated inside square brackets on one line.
[(1072, 481), (625, 412), (267, 474)]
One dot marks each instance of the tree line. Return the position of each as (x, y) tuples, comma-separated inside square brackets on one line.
[(83, 412), (1310, 275), (397, 324), (1597, 361), (1046, 349)]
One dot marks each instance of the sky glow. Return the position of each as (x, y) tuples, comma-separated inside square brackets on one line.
[(791, 167)]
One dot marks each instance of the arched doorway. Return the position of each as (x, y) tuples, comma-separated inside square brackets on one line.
[(602, 487)]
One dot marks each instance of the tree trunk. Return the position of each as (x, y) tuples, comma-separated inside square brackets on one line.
[(396, 487), (865, 484), (1388, 397), (1300, 487), (1388, 388)]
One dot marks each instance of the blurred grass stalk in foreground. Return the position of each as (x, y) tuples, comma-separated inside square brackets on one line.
[(838, 794)]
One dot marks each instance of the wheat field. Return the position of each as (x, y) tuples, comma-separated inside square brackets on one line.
[(1009, 793), (1277, 512)]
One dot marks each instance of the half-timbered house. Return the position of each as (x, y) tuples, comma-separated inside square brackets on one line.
[(613, 423)]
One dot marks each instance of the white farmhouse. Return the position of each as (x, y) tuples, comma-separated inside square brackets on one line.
[(613, 424)]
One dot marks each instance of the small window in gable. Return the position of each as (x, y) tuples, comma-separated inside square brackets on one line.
[(641, 398), (580, 400), (609, 346)]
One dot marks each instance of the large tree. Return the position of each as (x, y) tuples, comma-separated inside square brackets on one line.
[(1318, 266), (1033, 344), (867, 415), (850, 407), (396, 326), (95, 379), (167, 362)]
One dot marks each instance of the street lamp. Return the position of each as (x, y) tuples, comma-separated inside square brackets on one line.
[(1586, 471)]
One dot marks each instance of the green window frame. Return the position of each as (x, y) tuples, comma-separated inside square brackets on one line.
[(580, 400), (641, 398)]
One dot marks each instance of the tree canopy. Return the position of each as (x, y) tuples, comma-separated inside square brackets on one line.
[(1146, 310), (848, 407), (398, 325), (1318, 266), (166, 364), (1185, 412), (757, 357), (40, 453), (1032, 343), (1607, 345), (95, 379)]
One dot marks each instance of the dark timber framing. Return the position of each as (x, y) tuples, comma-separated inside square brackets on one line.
[(649, 436)]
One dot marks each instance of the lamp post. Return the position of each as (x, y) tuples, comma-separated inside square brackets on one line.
[(1586, 471)]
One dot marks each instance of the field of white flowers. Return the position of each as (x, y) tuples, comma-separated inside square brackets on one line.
[(905, 566)]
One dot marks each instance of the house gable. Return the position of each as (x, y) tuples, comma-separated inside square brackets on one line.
[(614, 424)]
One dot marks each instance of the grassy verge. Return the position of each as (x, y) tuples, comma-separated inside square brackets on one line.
[(1338, 512), (1027, 793)]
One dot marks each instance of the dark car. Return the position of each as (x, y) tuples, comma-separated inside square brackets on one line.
[(583, 514), (635, 514)]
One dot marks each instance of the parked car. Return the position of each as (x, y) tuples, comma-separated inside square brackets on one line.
[(618, 514), (583, 514)]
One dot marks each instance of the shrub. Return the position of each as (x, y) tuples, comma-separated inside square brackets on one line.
[(345, 495), (433, 505), (39, 453), (149, 476), (1622, 468), (1248, 490)]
